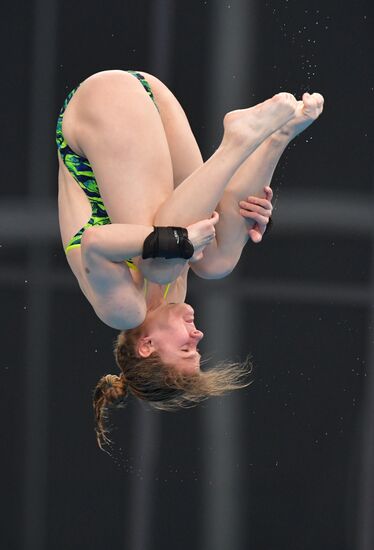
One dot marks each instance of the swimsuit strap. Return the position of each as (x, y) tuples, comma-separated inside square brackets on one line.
[(131, 265), (165, 291)]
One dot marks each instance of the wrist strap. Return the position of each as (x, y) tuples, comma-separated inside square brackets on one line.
[(168, 242)]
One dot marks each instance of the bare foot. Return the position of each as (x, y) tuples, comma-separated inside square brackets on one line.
[(307, 111), (248, 128)]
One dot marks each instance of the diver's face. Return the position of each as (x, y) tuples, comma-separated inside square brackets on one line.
[(170, 330)]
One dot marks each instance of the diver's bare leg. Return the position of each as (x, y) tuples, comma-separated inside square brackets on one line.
[(113, 123), (250, 179), (244, 130)]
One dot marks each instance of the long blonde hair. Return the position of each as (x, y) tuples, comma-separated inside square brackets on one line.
[(161, 385)]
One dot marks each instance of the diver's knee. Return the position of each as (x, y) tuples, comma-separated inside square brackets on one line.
[(213, 270)]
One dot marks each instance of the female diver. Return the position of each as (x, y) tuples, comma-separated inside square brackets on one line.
[(155, 210)]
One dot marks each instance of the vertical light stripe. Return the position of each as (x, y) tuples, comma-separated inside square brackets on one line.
[(365, 514), (221, 421), (230, 82), (41, 180), (162, 38), (36, 413), (42, 94), (138, 527), (231, 64)]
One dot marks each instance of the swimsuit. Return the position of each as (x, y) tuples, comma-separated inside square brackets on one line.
[(81, 170)]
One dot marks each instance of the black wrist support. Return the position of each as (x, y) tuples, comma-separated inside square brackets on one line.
[(168, 242)]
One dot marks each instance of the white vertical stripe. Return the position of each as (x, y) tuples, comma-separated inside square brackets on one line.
[(138, 528), (43, 119), (365, 514), (221, 436), (230, 74), (41, 177), (36, 414), (138, 531), (161, 40), (231, 63)]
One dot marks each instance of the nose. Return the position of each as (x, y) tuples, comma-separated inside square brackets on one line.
[(197, 334)]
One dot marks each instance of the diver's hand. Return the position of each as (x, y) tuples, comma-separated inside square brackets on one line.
[(259, 211), (201, 234)]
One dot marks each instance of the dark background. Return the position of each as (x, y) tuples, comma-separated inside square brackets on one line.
[(284, 464)]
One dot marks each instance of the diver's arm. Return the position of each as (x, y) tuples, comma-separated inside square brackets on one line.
[(111, 289), (118, 242)]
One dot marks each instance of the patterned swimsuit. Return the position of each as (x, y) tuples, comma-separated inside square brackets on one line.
[(81, 170)]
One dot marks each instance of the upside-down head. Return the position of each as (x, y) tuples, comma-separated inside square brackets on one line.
[(160, 363)]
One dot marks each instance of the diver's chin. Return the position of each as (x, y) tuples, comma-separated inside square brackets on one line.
[(156, 305)]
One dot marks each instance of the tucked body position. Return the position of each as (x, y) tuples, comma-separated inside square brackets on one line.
[(138, 208)]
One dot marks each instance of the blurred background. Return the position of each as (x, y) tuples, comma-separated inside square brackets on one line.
[(287, 463)]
